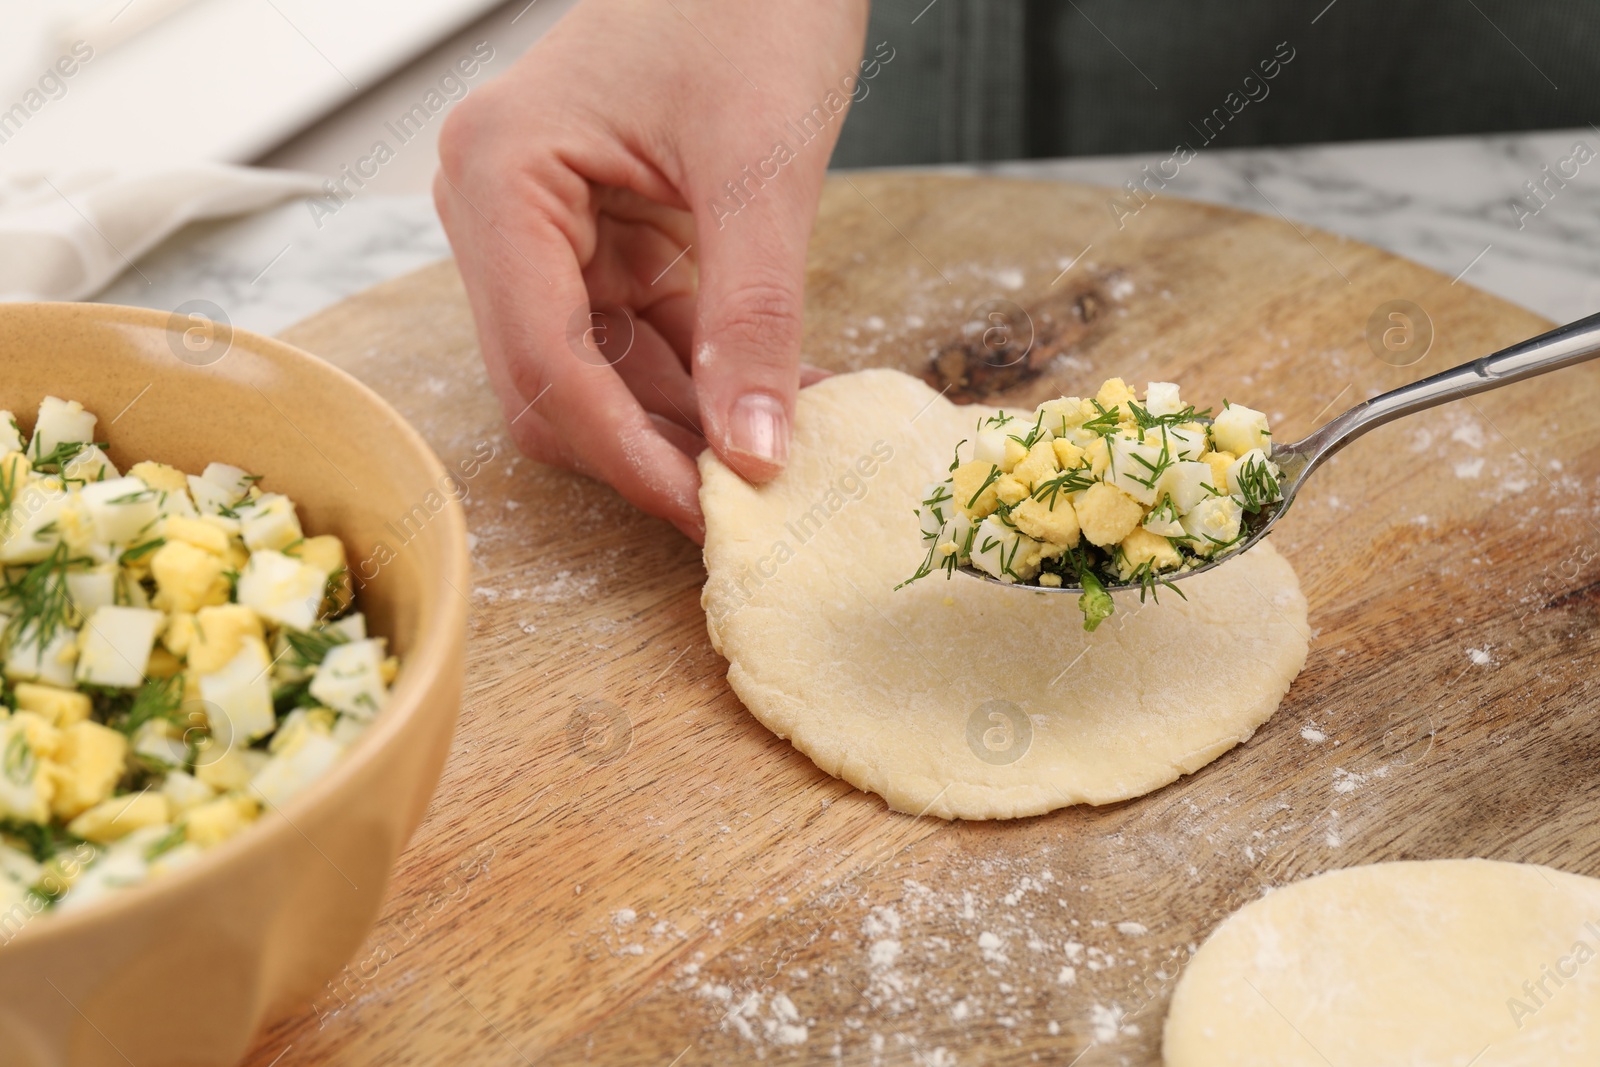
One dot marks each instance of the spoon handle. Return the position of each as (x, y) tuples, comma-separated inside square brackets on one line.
[(1561, 347)]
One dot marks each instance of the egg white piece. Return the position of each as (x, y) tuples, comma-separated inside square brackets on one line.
[(52, 662), (238, 697), (10, 434), (282, 588), (1239, 429), (269, 522), (116, 645), (31, 527), (122, 509), (289, 774), (350, 678), (60, 422)]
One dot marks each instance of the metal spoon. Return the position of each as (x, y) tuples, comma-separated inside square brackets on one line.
[(1563, 346)]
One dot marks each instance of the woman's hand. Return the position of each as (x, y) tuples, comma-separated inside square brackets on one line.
[(571, 188)]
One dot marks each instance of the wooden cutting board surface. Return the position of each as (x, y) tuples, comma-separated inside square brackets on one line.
[(622, 867)]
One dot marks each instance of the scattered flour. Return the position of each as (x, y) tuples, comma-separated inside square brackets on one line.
[(881, 922), (983, 951), (1310, 732), (781, 1024), (1347, 781), (563, 587), (989, 945), (1107, 1024), (884, 953), (1480, 656), (1469, 434)]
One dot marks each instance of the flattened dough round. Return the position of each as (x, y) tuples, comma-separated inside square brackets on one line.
[(955, 697), (1405, 963)]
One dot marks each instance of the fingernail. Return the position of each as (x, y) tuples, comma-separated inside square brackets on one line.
[(810, 375), (759, 428)]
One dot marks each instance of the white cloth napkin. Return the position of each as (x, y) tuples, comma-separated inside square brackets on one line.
[(66, 236)]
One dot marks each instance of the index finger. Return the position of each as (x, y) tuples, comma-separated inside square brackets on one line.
[(526, 289)]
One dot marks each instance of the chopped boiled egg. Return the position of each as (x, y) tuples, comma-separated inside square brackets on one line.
[(38, 655), (60, 707), (233, 480), (116, 644), (210, 498), (31, 524), (188, 578), (1161, 399), (282, 589), (116, 817), (1108, 490), (1239, 429), (269, 522), (61, 422), (1004, 552), (26, 786), (89, 465), (122, 509), (10, 435), (1213, 524), (88, 762), (238, 696), (350, 678), (143, 718), (217, 820), (184, 791), (93, 587), (291, 771)]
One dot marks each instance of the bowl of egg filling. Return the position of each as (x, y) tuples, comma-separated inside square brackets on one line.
[(226, 692)]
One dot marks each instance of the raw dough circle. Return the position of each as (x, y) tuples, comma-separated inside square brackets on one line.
[(1407, 963), (955, 697)]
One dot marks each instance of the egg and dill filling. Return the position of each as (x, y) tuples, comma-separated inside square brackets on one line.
[(1100, 492), (177, 657)]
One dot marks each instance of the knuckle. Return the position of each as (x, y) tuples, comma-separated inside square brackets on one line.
[(762, 318), (522, 174), (441, 198), (539, 445), (461, 137), (534, 436), (528, 377)]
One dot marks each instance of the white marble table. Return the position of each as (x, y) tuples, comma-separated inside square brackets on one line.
[(1447, 203)]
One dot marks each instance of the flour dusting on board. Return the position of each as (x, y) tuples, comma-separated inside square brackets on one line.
[(947, 958), (938, 965)]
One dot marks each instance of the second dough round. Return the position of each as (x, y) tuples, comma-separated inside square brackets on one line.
[(1439, 962)]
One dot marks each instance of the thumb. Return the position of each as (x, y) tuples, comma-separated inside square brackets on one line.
[(749, 315)]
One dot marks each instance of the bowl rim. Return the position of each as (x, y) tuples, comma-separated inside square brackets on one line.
[(430, 649)]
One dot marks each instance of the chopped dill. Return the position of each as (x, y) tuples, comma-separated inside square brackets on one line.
[(1145, 511), (311, 647), (43, 605)]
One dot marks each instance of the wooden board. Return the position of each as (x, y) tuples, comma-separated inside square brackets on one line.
[(622, 867)]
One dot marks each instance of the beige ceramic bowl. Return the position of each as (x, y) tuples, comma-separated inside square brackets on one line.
[(184, 969)]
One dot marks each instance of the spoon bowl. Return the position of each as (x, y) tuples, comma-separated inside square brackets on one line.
[(1561, 347)]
